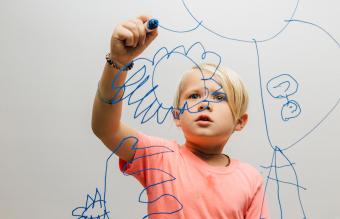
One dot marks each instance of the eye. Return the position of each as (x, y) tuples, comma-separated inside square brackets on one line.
[(220, 96), (194, 96)]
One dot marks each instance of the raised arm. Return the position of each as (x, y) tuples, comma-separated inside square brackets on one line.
[(129, 39)]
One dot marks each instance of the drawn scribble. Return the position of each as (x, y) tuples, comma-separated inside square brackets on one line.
[(281, 90), (95, 208), (290, 110), (149, 105), (136, 81), (277, 151), (153, 105), (282, 87), (168, 179)]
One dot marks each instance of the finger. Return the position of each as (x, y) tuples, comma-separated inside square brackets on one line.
[(144, 18), (132, 26), (150, 37), (142, 31), (124, 34)]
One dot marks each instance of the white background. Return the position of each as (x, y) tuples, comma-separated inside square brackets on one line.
[(51, 58)]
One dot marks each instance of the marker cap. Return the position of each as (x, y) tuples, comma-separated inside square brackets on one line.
[(151, 24)]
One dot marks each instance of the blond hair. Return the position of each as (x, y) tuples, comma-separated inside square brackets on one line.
[(232, 85)]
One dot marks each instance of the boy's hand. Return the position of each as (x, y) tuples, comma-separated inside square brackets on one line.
[(129, 39)]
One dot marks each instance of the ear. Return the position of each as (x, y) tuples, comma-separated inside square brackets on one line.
[(241, 122), (175, 114)]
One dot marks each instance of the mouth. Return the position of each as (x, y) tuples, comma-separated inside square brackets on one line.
[(203, 118)]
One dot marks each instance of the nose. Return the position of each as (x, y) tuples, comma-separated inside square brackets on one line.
[(204, 105)]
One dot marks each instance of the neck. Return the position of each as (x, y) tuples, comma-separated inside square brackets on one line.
[(211, 154), (206, 147)]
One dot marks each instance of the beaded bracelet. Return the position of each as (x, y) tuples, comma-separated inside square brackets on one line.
[(126, 67)]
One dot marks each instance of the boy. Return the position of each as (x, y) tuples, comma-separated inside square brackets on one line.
[(194, 180)]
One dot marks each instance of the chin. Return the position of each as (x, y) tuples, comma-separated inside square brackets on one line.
[(207, 138)]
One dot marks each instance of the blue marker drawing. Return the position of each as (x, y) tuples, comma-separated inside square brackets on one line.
[(182, 31), (277, 151), (149, 104), (96, 207), (137, 80), (317, 26), (205, 25), (281, 87), (286, 87), (290, 110)]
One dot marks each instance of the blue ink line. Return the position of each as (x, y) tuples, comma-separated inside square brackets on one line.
[(172, 178), (276, 150), (273, 166), (91, 202), (285, 182), (147, 112), (277, 185), (317, 125), (182, 31), (297, 183), (238, 39), (261, 95), (315, 25)]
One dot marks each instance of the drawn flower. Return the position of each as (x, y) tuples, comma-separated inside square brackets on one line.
[(141, 89)]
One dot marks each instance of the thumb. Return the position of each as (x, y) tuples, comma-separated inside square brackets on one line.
[(144, 18), (150, 37)]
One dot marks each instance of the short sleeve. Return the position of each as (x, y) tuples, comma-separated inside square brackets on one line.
[(151, 155), (258, 208)]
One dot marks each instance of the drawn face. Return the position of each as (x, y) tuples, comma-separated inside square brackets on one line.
[(208, 115)]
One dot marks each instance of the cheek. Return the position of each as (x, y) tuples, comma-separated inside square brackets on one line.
[(185, 126), (186, 120), (189, 104), (226, 115)]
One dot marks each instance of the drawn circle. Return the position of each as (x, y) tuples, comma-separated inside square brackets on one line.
[(290, 110), (243, 20), (282, 86), (155, 83), (165, 58)]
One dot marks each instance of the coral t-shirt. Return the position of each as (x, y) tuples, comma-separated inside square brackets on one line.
[(179, 185)]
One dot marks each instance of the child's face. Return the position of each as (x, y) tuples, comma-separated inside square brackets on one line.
[(209, 115)]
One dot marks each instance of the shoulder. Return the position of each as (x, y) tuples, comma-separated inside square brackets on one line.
[(248, 168), (154, 143), (150, 152), (250, 173)]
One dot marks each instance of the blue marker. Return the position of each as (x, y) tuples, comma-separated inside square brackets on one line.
[(151, 25)]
